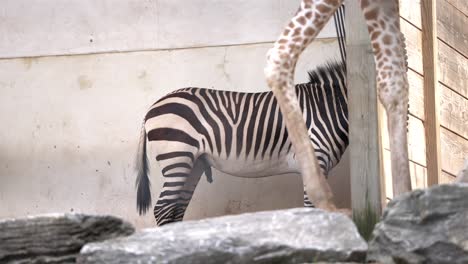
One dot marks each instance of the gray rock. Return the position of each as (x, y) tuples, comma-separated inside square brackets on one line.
[(424, 226), (55, 238), (285, 236)]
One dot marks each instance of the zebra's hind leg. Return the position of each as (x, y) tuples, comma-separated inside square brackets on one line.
[(307, 202), (181, 180)]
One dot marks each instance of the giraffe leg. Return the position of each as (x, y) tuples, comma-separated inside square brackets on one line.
[(279, 72), (383, 23), (307, 202)]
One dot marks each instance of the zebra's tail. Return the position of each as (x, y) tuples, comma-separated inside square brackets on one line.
[(142, 181)]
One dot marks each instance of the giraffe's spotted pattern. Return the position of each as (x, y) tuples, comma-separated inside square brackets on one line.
[(382, 20)]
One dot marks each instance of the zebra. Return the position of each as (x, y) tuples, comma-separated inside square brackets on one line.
[(241, 134)]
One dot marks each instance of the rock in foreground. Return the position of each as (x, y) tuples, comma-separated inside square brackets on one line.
[(284, 236), (55, 238), (424, 226)]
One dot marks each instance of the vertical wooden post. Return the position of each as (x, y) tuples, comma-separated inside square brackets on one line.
[(364, 137), (431, 91)]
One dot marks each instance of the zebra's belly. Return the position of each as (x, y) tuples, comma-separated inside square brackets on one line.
[(255, 168)]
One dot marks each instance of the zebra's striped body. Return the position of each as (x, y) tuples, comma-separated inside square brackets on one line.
[(242, 134)]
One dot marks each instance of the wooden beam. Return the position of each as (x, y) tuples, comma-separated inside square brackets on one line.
[(364, 147), (431, 91)]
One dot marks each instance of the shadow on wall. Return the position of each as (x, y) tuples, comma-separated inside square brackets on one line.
[(232, 195)]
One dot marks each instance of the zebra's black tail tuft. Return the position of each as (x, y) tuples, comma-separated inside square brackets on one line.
[(142, 181)]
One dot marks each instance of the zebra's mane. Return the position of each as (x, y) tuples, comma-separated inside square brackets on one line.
[(322, 70)]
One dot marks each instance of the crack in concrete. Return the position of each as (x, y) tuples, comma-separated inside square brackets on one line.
[(228, 77)]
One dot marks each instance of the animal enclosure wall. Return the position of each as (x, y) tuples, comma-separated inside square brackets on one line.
[(76, 79), (452, 83)]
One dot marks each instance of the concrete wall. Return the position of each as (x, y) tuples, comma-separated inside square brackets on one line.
[(71, 106)]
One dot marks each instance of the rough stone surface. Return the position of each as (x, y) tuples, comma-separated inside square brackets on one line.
[(284, 236), (424, 226), (55, 238)]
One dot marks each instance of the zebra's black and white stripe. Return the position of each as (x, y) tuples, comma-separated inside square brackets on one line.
[(242, 134)]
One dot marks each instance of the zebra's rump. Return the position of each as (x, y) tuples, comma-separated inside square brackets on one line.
[(226, 124)]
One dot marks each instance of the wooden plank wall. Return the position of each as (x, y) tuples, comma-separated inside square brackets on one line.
[(452, 32), (452, 36)]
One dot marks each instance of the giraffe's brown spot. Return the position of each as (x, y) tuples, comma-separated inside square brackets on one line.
[(333, 2), (301, 20), (388, 68), (371, 14), (375, 35), (320, 23), (387, 39), (323, 9), (309, 31), (391, 11), (388, 52), (282, 41), (376, 47), (297, 32), (281, 47), (364, 3), (382, 24), (285, 65), (308, 15), (291, 24), (286, 32), (297, 39), (379, 65)]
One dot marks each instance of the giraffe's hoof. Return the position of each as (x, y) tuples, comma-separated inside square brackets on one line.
[(329, 206), (345, 211), (326, 205)]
